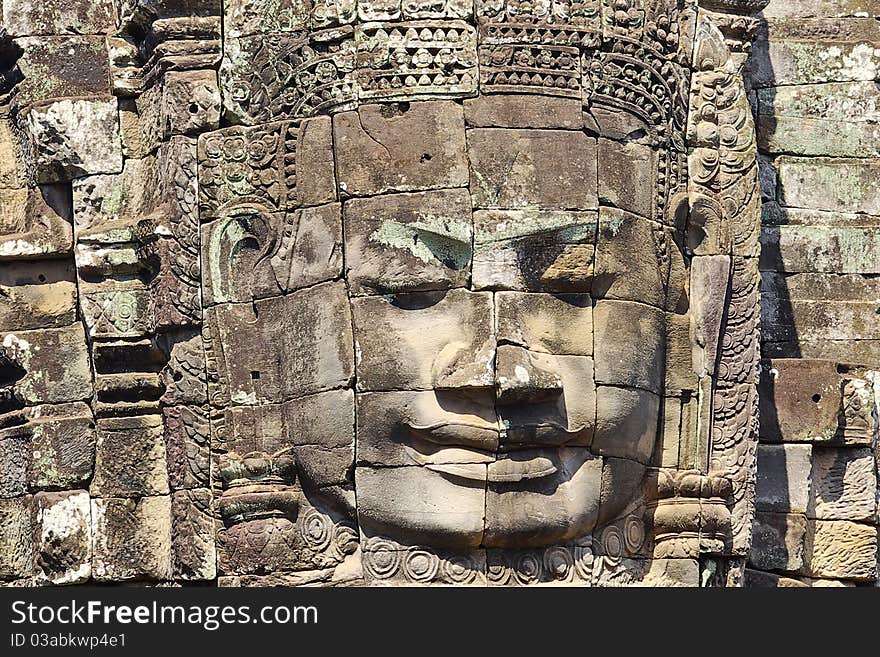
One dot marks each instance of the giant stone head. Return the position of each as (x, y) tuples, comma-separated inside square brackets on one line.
[(480, 292)]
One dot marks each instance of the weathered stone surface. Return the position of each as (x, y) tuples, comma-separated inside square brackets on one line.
[(192, 536), (73, 137), (534, 250), (555, 508), (626, 423), (819, 287), (802, 400), (778, 541), (784, 478), (324, 451), (758, 579), (131, 460), (627, 176), (16, 538), (839, 250), (35, 222), (319, 349), (817, 51), (423, 506), (186, 102), (557, 324), (62, 67), (32, 17), (549, 169), (844, 485), (839, 548), (244, 17), (53, 364), (38, 294), (15, 461), (187, 446), (824, 8), (629, 349), (516, 111), (819, 320), (63, 528), (63, 442), (408, 242), (400, 147), (840, 184), (838, 119), (621, 271), (132, 538), (420, 341)]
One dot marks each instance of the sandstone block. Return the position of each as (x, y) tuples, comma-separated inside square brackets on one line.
[(192, 536), (783, 483), (420, 341), (400, 147), (63, 540), (549, 169), (523, 111), (534, 250), (131, 458), (408, 242), (54, 364), (778, 541), (629, 344), (844, 549), (840, 184), (16, 538), (132, 538), (73, 137), (844, 484)]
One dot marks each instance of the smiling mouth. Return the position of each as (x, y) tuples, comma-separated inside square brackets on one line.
[(480, 452)]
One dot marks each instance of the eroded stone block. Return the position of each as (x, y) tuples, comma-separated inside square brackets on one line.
[(63, 537), (73, 137), (778, 541), (783, 483), (54, 364), (629, 344), (400, 147), (192, 536), (419, 341), (131, 458), (534, 250), (844, 484), (844, 549), (132, 538), (549, 169), (16, 538), (408, 242)]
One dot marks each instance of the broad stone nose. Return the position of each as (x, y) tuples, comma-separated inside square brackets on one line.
[(525, 376)]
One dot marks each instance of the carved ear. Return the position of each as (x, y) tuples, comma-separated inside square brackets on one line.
[(236, 243)]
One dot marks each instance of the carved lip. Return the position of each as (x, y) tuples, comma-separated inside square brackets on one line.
[(513, 437), (469, 452)]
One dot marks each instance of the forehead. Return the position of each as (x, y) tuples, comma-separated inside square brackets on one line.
[(498, 192)]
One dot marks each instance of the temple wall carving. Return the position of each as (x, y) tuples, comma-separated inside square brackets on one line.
[(464, 292)]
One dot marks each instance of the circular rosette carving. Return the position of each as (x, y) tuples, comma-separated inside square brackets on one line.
[(381, 558), (583, 563), (420, 566), (527, 569), (499, 572), (559, 564), (316, 529), (345, 539), (633, 533), (612, 544), (459, 569)]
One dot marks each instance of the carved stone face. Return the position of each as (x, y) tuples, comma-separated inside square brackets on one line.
[(468, 313), (484, 410)]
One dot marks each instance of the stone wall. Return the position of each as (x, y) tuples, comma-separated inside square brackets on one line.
[(814, 71), (99, 121)]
